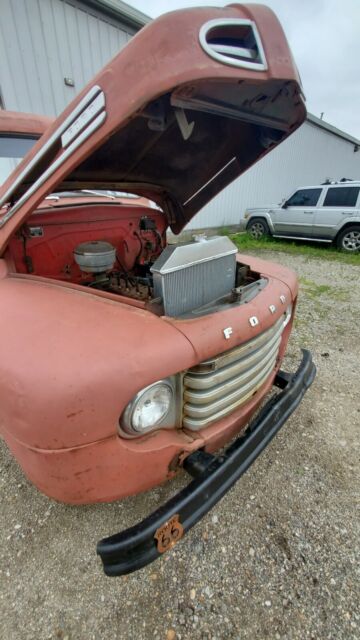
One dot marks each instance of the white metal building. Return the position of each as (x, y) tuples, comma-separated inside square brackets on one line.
[(49, 49)]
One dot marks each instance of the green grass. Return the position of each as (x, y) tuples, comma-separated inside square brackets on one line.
[(224, 231), (314, 291), (244, 242)]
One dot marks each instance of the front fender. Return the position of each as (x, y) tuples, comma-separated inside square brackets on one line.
[(262, 214), (71, 361)]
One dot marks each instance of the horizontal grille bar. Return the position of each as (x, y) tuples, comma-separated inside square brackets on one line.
[(216, 387), (238, 352)]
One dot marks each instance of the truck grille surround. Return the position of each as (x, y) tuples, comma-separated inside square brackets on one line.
[(216, 387)]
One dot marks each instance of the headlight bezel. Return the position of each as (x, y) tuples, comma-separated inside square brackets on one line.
[(168, 421)]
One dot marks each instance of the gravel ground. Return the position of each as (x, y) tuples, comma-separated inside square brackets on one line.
[(277, 558)]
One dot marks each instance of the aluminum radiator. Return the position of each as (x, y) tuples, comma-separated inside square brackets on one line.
[(190, 275)]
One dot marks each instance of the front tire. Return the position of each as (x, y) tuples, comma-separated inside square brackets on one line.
[(258, 228), (349, 239)]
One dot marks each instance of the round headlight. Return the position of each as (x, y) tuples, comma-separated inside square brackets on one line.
[(148, 409)]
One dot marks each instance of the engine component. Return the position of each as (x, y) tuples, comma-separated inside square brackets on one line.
[(190, 275), (96, 256), (147, 224)]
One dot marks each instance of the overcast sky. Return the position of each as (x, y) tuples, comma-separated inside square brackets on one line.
[(324, 36)]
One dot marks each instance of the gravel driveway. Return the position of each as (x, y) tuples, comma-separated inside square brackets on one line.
[(278, 557)]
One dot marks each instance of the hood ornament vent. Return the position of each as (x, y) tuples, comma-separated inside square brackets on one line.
[(234, 42)]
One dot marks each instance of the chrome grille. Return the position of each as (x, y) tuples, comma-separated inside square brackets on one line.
[(216, 387)]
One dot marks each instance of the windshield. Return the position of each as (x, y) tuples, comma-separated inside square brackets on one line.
[(104, 193), (95, 192), (12, 150), (14, 147)]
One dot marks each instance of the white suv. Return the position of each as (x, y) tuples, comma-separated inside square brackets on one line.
[(329, 212)]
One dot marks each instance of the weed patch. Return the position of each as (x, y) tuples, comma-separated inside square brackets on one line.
[(244, 242)]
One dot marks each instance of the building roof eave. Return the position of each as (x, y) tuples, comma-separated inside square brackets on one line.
[(318, 122), (120, 11)]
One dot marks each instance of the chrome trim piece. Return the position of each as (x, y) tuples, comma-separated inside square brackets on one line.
[(232, 362), (288, 315), (49, 143), (241, 351), (313, 239), (234, 397), (227, 333), (127, 416), (200, 420), (272, 308), (97, 105), (216, 387), (238, 52), (95, 124), (171, 420), (223, 53)]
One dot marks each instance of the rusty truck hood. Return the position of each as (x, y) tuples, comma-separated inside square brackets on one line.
[(192, 101)]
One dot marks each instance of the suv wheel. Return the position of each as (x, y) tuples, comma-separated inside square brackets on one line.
[(349, 239), (257, 228)]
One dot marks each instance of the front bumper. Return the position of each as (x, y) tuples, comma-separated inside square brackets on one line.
[(213, 476)]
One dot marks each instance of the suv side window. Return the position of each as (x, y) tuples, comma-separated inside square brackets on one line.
[(304, 198), (341, 197)]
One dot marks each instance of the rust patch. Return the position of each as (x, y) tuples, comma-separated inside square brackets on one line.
[(169, 534), (80, 473), (175, 463), (75, 413)]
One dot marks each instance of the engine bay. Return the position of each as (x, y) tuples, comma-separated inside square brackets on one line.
[(122, 249)]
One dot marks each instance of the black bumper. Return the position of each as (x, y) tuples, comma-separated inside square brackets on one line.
[(213, 476)]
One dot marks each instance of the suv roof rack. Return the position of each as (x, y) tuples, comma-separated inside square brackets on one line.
[(328, 181)]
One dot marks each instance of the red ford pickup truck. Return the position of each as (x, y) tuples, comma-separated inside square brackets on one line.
[(125, 358)]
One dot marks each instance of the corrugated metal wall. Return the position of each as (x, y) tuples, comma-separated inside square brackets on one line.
[(308, 157), (44, 41)]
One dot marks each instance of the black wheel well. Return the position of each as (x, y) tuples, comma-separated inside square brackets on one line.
[(258, 218), (346, 226)]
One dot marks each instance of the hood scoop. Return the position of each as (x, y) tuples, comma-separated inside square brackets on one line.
[(234, 42)]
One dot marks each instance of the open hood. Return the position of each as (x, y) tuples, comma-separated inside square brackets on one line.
[(193, 100)]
